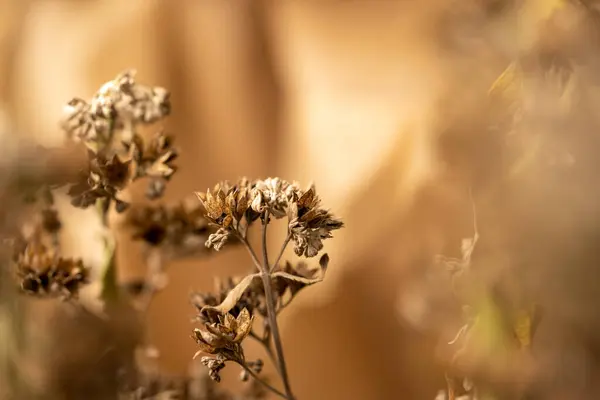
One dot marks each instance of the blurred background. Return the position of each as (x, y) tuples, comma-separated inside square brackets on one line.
[(379, 103)]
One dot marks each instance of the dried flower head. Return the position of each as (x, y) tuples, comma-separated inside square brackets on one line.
[(82, 125), (118, 104), (234, 208), (225, 335), (123, 96), (153, 159), (228, 207), (309, 224), (44, 274), (272, 195), (181, 229), (103, 179)]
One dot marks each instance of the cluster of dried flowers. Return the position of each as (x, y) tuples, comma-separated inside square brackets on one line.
[(228, 314), (111, 154), (233, 208)]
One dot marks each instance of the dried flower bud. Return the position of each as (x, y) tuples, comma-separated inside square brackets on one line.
[(218, 239), (225, 336), (214, 365)]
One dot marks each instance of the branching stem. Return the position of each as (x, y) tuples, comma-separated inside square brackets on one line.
[(283, 247), (266, 278)]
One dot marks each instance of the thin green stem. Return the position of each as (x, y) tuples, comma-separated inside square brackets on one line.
[(272, 315)]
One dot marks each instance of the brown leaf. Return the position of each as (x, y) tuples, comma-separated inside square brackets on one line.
[(232, 297), (296, 278)]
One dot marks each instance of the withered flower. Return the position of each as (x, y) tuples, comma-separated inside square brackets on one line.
[(82, 125), (272, 195), (124, 97), (309, 225), (44, 274), (227, 207), (179, 228), (153, 160), (119, 105), (225, 335), (103, 178)]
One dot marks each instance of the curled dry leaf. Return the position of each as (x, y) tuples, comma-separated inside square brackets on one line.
[(296, 278), (232, 298)]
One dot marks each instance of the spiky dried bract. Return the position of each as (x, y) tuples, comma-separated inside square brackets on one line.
[(102, 179), (228, 207), (119, 103), (309, 224), (224, 335), (153, 159), (180, 229), (44, 274)]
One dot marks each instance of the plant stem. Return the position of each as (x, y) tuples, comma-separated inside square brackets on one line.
[(265, 384), (251, 251), (283, 247), (266, 278)]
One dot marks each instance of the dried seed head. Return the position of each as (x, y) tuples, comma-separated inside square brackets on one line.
[(225, 336), (234, 208), (180, 229), (44, 274), (102, 179), (309, 224), (153, 159), (228, 207), (271, 195)]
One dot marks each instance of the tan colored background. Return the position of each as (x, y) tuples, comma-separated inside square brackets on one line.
[(342, 93)]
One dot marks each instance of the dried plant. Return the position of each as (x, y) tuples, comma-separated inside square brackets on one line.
[(113, 154), (232, 209)]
